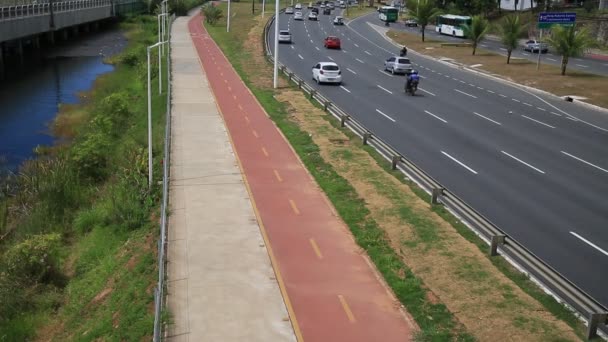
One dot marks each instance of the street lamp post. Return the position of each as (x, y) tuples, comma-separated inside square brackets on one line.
[(276, 45), (160, 65), (228, 18)]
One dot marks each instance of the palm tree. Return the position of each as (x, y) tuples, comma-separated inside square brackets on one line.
[(510, 31), (569, 42), (423, 11), (477, 30)]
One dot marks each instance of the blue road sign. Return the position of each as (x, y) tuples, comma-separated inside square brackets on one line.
[(546, 19)]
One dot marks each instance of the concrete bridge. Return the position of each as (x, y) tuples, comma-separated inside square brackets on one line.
[(25, 24)]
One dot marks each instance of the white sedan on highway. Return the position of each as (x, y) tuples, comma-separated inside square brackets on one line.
[(327, 72)]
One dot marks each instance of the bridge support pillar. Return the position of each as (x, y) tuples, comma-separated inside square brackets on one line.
[(86, 28), (64, 34), (51, 37), (36, 42), (1, 60), (96, 26), (20, 50), (75, 31)]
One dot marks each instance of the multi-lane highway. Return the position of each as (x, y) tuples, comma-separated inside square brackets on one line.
[(534, 165), (583, 63)]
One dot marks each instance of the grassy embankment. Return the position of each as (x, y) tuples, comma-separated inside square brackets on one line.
[(437, 268), (522, 71), (79, 260)]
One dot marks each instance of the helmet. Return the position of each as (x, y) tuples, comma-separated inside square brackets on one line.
[(413, 71)]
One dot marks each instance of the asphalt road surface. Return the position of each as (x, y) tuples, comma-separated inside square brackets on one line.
[(585, 63), (536, 166)]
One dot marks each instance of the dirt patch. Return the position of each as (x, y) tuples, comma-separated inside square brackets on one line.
[(521, 71), (101, 295), (490, 305)]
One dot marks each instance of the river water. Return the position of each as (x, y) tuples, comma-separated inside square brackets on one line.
[(30, 97)]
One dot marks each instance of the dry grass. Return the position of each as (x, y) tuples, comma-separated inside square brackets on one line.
[(357, 11), (523, 71), (455, 272)]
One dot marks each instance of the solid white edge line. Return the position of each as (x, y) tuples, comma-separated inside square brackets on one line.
[(540, 122), (388, 117), (426, 91), (348, 91), (360, 61), (467, 94), (496, 122), (356, 45), (367, 52), (386, 90), (300, 56), (316, 47), (523, 162), (435, 116), (584, 161), (331, 59), (459, 163), (351, 71), (589, 243)]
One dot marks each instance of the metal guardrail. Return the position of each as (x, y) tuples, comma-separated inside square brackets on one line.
[(500, 243), (21, 11), (159, 291)]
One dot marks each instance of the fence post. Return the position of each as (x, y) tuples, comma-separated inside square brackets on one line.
[(437, 192), (396, 159), (312, 93), (326, 105), (366, 137), (496, 240), (594, 320), (300, 84), (343, 119)]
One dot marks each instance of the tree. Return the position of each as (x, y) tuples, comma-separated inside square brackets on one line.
[(510, 31), (569, 42), (423, 11), (477, 30), (212, 14)]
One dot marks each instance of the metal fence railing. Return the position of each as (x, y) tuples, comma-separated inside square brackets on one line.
[(29, 10), (596, 314), (159, 291)]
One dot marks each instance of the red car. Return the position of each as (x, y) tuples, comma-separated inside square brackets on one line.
[(332, 42)]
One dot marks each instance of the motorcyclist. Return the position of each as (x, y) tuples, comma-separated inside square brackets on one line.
[(403, 51), (412, 78)]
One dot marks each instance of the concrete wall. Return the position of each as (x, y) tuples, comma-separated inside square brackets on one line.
[(16, 28)]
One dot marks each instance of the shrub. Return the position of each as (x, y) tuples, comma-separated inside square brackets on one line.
[(89, 155), (212, 14), (33, 260)]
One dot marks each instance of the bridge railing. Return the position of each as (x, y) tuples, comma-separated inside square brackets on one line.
[(21, 11), (595, 314)]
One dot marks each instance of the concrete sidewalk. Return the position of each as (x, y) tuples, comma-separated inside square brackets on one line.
[(221, 284)]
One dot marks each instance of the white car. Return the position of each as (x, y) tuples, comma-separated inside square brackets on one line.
[(327, 72), (284, 36), (289, 10), (313, 16), (298, 16), (298, 6), (322, 5)]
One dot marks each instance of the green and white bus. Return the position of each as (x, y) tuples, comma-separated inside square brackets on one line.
[(388, 13), (452, 24)]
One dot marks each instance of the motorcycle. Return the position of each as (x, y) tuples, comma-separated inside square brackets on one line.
[(413, 87), (402, 53)]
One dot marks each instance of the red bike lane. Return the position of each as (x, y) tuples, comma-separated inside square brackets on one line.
[(330, 289)]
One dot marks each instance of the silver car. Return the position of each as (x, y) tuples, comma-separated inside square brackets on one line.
[(397, 65), (284, 36)]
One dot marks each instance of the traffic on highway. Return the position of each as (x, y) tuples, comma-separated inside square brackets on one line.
[(533, 164)]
